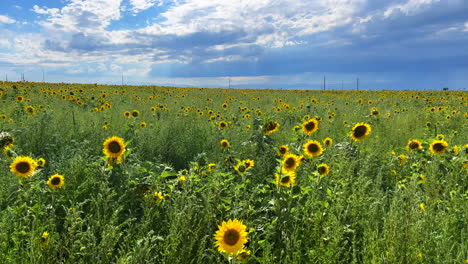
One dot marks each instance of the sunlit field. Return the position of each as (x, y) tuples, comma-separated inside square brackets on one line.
[(126, 174)]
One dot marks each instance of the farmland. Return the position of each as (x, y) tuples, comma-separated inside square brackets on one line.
[(126, 174)]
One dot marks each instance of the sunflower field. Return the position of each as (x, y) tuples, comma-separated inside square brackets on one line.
[(127, 174)]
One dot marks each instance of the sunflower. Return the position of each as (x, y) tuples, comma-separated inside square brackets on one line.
[(241, 168), (211, 167), (360, 131), (414, 144), (56, 181), (243, 255), (402, 159), (310, 126), (231, 237), (20, 98), (455, 150), (224, 105), (323, 169), (41, 162), (283, 150), (271, 127), (224, 144), (127, 114), (290, 163), (438, 146), (29, 109), (440, 137), (222, 124), (23, 166), (135, 113), (313, 148), (114, 148), (143, 124), (285, 179), (44, 239), (158, 196), (328, 142), (249, 163)]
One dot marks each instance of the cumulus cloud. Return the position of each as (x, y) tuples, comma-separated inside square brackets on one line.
[(81, 15), (6, 20)]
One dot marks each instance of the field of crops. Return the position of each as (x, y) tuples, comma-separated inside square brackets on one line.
[(125, 174)]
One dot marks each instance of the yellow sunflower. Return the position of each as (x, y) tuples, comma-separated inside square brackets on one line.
[(135, 113), (285, 179), (271, 127), (241, 168), (41, 162), (231, 237), (56, 181), (328, 142), (313, 148), (290, 163), (29, 109), (323, 169), (127, 114), (310, 126), (414, 144), (360, 131), (283, 150), (143, 124), (222, 124), (23, 166), (224, 144), (114, 147), (243, 255), (249, 163), (438, 146)]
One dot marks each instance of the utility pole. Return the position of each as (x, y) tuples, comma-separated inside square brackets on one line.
[(229, 79), (324, 83), (43, 76), (6, 77)]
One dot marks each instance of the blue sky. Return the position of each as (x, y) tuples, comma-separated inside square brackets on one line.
[(289, 44)]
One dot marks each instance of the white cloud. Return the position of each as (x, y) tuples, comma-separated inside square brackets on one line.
[(410, 7), (140, 5), (6, 20), (81, 15), (466, 26)]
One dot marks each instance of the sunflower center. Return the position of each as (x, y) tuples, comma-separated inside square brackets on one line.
[(438, 147), (327, 142), (310, 126), (290, 162), (135, 114), (55, 181), (360, 131), (322, 169), (282, 150), (231, 237), (285, 180), (270, 126), (224, 144), (313, 148), (114, 147), (413, 145), (23, 167)]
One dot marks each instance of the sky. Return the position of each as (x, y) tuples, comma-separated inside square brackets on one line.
[(280, 44)]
